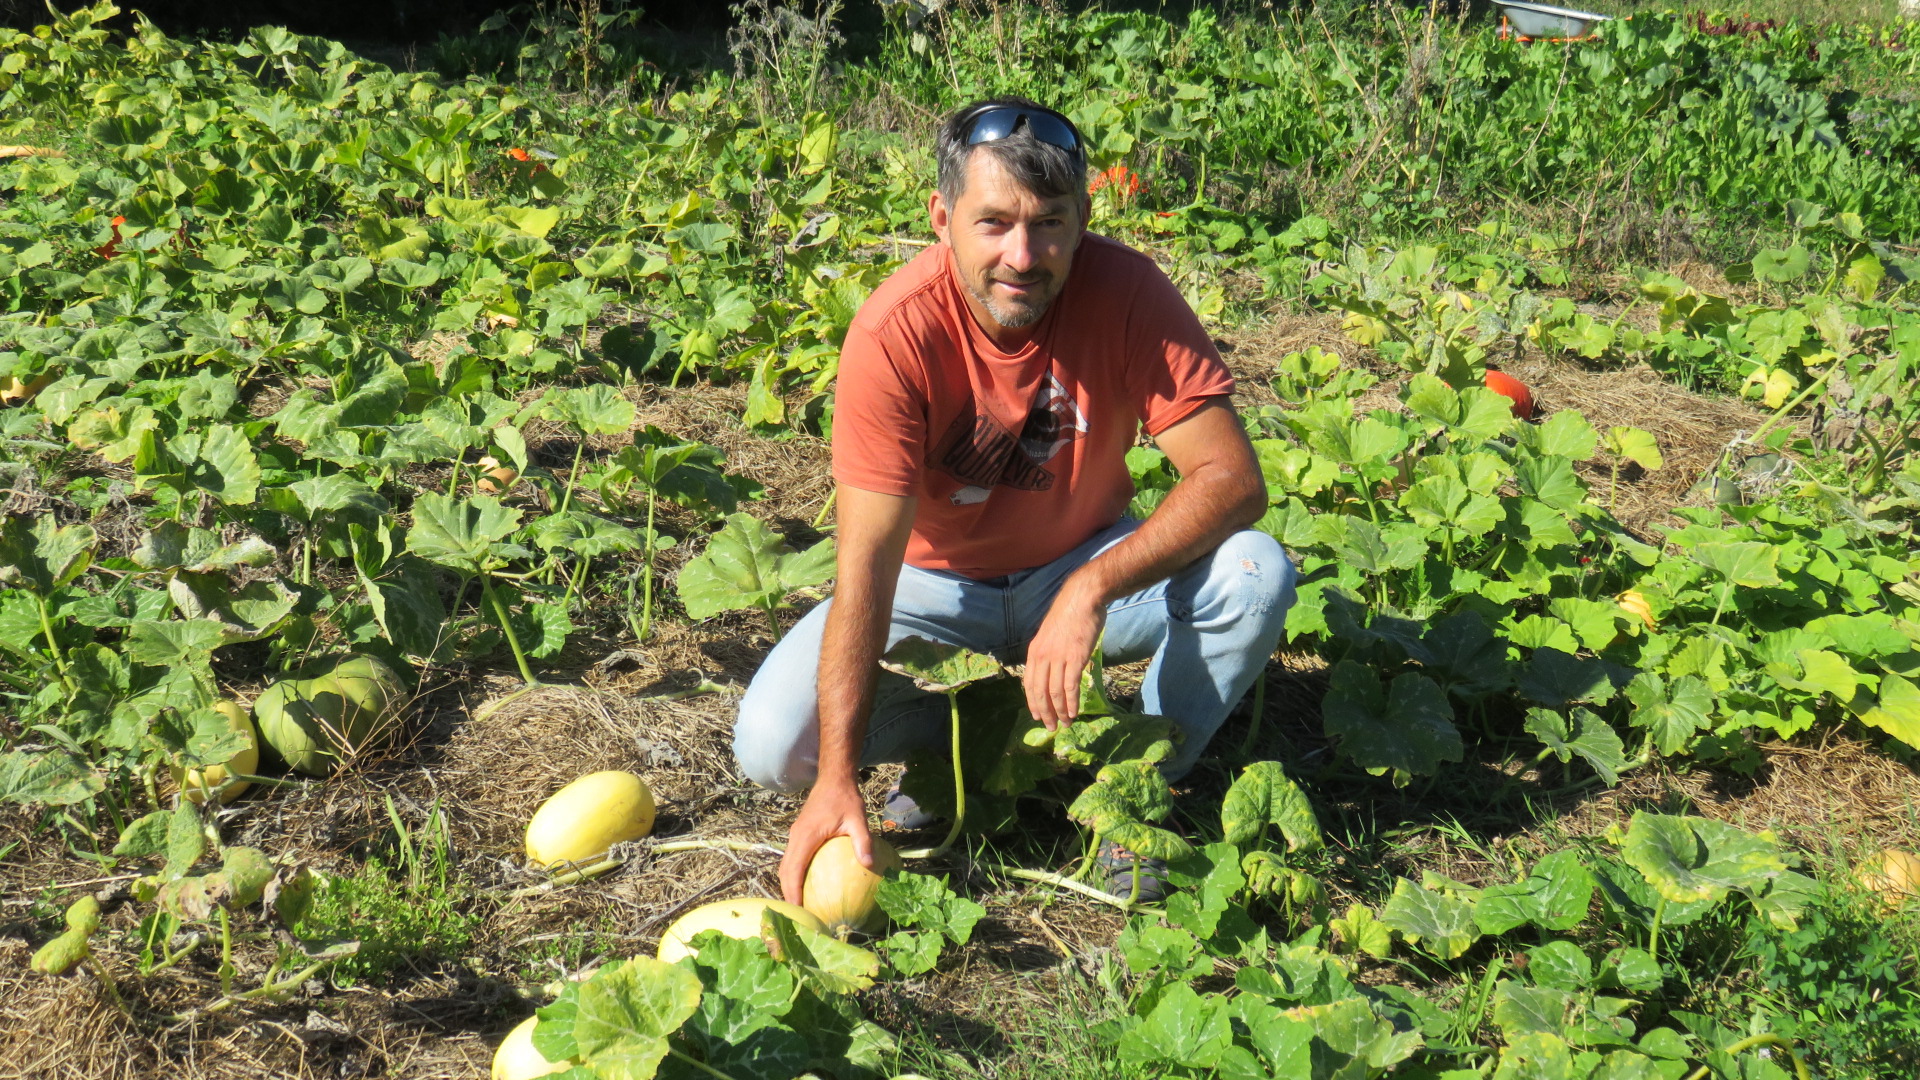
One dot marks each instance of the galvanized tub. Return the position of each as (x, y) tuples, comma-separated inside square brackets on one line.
[(1546, 21)]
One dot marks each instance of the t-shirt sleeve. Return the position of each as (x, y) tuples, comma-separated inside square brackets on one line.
[(879, 419), (1172, 366)]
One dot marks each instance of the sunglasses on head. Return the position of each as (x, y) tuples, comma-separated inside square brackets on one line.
[(996, 122)]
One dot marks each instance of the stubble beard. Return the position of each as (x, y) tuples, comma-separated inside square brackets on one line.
[(1016, 315)]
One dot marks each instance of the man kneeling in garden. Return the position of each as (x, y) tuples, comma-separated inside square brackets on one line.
[(988, 394)]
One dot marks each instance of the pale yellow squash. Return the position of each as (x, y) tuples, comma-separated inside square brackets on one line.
[(195, 783), (842, 892), (519, 1059), (739, 919), (1894, 875), (585, 818)]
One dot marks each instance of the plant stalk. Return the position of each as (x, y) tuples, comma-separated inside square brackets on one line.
[(959, 788), (506, 627)]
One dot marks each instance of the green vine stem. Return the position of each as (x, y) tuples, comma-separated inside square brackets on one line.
[(700, 1065), (1752, 1041), (646, 579), (506, 627), (1061, 881), (1259, 713), (959, 788)]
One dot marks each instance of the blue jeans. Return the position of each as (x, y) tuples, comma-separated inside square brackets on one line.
[(1209, 628)]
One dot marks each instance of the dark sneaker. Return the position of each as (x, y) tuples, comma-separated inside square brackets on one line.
[(1123, 871), (902, 814)]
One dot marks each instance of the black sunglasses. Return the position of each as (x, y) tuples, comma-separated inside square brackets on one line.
[(996, 122)]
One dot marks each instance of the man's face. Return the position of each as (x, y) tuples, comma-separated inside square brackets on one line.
[(1011, 247)]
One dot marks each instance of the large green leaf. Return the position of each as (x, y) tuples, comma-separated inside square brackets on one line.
[(1581, 733), (747, 565), (1555, 897), (627, 1011), (1408, 727), (1184, 1029), (1746, 563), (1539, 1055), (1673, 712), (1265, 795), (1690, 859), (461, 534), (39, 555), (585, 535), (596, 410), (53, 777), (828, 965), (1439, 924), (220, 461), (1094, 741), (1895, 710), (937, 667)]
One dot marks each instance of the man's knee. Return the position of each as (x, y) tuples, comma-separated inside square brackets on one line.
[(1263, 577), (774, 746)]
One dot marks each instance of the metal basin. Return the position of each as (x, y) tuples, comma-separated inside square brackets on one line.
[(1545, 21)]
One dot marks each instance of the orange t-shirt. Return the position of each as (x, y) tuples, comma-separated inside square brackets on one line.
[(1016, 457)]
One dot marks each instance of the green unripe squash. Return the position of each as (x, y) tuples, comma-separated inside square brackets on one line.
[(316, 723)]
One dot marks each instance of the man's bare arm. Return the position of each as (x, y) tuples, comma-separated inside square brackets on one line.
[(1220, 492), (872, 539)]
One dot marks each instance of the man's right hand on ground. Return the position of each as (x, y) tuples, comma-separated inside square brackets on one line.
[(831, 810)]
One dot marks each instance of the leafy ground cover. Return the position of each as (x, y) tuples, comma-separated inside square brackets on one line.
[(523, 388)]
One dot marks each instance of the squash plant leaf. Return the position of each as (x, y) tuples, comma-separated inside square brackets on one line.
[(1359, 929), (1896, 710), (1556, 679), (1265, 795), (1673, 712), (822, 962), (1636, 446), (1555, 896), (1408, 726), (579, 533), (1529, 1010), (56, 777), (1565, 434), (595, 410), (627, 1011), (220, 461), (937, 667), (1746, 563), (463, 535), (1184, 1029), (747, 989), (1689, 859), (1580, 733), (748, 565), (1538, 1055), (1097, 740), (1438, 924), (1349, 1032), (38, 555), (1475, 413)]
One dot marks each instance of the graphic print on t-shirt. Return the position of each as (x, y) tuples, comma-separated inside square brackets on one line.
[(982, 454)]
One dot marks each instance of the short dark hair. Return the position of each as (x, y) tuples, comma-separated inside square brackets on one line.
[(1041, 167)]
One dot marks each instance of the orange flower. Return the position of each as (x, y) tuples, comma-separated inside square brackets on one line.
[(112, 247), (1125, 182), (517, 154)]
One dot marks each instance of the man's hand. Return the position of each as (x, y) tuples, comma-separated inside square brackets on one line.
[(1059, 651), (831, 810), (1220, 491)]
